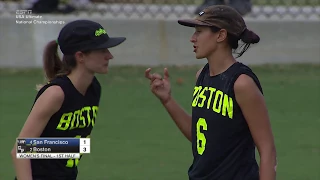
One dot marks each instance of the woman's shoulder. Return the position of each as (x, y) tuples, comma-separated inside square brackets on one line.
[(55, 84)]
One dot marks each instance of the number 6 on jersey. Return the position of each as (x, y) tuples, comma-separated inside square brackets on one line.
[(201, 139)]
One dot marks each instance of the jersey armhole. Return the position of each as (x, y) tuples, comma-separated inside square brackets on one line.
[(249, 73), (45, 87)]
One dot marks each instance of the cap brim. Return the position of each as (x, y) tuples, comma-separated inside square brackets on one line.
[(192, 23), (112, 42)]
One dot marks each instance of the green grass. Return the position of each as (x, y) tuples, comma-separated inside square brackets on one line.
[(134, 138)]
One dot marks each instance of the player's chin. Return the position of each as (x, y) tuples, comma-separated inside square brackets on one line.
[(200, 56), (103, 70)]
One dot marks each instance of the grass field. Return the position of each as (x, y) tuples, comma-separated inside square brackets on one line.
[(134, 138)]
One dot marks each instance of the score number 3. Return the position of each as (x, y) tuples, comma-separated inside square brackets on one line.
[(201, 138), (74, 162)]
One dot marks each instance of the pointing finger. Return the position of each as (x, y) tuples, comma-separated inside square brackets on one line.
[(147, 74), (166, 74)]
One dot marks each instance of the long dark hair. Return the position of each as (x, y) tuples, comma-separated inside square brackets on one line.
[(52, 64)]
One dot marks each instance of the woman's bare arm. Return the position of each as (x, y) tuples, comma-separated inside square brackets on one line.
[(46, 105)]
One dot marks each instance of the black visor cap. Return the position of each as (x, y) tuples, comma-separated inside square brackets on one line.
[(81, 35)]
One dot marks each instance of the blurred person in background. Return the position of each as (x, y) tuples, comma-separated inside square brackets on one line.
[(229, 115), (72, 91), (55, 6), (242, 6)]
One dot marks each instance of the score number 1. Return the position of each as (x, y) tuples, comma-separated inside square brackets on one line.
[(84, 145)]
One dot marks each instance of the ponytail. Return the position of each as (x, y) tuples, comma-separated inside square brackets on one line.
[(248, 37), (52, 63)]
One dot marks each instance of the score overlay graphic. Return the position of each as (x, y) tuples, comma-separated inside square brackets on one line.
[(52, 148)]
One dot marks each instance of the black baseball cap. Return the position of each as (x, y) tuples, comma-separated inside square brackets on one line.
[(83, 35), (220, 16)]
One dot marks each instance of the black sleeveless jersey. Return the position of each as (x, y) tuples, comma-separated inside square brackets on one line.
[(222, 144), (76, 118)]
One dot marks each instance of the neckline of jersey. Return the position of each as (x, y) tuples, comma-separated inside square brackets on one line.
[(217, 75), (78, 92)]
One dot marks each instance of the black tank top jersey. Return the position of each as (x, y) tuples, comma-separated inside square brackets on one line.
[(222, 144), (76, 118)]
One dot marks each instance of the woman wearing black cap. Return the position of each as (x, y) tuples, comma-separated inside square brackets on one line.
[(229, 115), (68, 104)]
